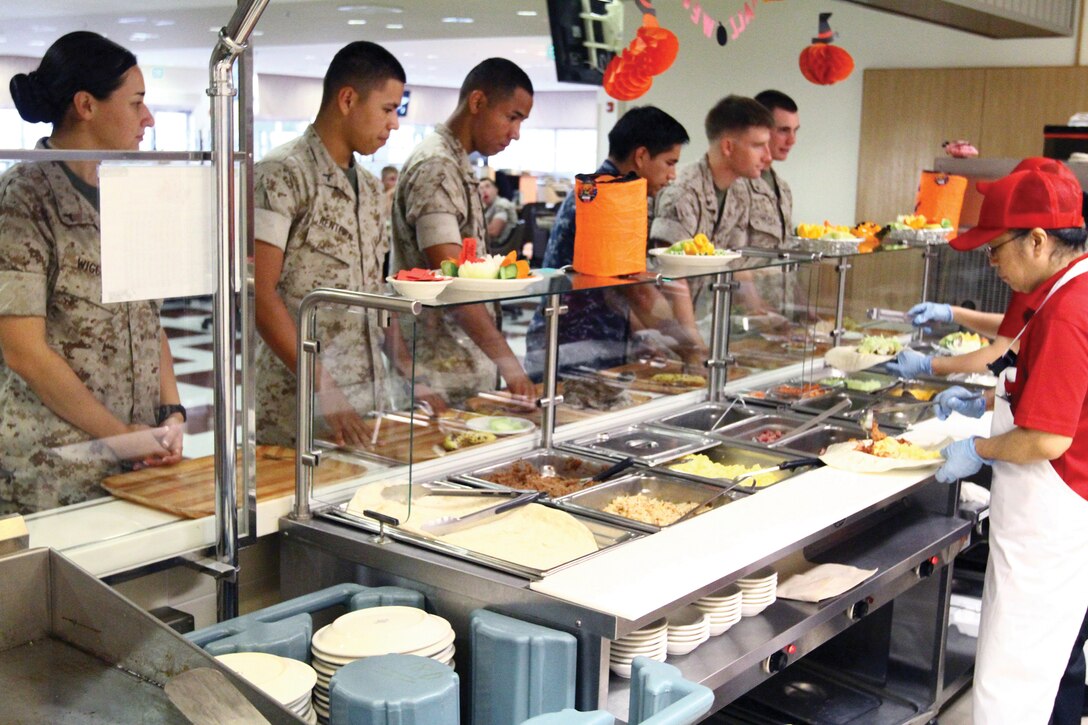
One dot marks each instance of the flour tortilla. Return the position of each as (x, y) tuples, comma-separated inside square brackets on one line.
[(849, 360), (534, 536), (846, 457)]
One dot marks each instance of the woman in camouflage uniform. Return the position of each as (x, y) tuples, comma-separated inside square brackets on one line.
[(74, 369)]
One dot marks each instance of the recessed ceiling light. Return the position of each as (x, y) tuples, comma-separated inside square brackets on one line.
[(135, 20), (374, 9), (357, 21), (394, 26), (215, 28), (466, 21), (527, 13), (142, 37), (163, 23), (257, 33)]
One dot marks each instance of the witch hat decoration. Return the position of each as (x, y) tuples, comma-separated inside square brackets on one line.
[(826, 35)]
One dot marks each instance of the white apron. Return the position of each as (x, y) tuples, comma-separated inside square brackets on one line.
[(1036, 589)]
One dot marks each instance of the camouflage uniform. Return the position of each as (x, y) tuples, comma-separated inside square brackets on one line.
[(50, 266), (770, 210), (438, 178), (331, 236), (689, 206)]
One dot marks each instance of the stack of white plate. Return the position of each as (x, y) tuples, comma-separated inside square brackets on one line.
[(688, 628), (287, 681), (373, 632), (758, 590), (651, 641), (722, 608)]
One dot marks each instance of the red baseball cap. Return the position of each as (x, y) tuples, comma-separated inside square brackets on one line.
[(1039, 163), (1024, 200)]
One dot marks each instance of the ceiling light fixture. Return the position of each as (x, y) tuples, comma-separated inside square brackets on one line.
[(357, 21), (142, 37), (464, 21), (371, 9), (163, 23), (131, 21), (527, 13), (394, 26)]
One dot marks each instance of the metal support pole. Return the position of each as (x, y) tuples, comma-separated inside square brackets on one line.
[(549, 401), (842, 266), (929, 254), (232, 42), (720, 311), (308, 346)]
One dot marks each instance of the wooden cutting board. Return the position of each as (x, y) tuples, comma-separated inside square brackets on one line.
[(188, 488)]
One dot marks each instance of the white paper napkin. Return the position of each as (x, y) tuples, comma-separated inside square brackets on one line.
[(822, 581)]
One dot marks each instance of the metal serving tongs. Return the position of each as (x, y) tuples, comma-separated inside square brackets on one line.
[(548, 471), (401, 491), (820, 418), (446, 524)]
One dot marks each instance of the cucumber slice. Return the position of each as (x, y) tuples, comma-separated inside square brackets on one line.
[(449, 268), (510, 271)]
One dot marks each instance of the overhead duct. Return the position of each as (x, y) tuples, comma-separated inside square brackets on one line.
[(991, 18)]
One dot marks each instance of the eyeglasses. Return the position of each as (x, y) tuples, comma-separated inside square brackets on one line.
[(991, 250)]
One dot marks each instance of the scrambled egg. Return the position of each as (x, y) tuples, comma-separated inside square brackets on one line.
[(701, 465), (680, 379), (649, 509)]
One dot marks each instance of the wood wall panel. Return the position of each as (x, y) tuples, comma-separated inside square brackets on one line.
[(1020, 101), (906, 116)]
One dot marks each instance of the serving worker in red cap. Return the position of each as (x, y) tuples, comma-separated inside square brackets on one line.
[(1036, 588)]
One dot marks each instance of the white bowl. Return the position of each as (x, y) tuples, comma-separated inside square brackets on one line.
[(419, 290)]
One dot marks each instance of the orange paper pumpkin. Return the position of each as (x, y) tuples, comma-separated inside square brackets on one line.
[(824, 64)]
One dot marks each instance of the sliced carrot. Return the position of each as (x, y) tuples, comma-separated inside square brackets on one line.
[(509, 259), (522, 267)]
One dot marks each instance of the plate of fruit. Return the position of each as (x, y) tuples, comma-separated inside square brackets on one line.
[(692, 256), (474, 272)]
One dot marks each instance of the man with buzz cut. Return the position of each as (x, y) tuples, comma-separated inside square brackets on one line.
[(771, 206), (318, 223), (437, 205), (704, 198)]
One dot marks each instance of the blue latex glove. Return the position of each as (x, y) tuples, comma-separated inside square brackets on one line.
[(959, 400), (960, 460), (925, 312), (910, 364)]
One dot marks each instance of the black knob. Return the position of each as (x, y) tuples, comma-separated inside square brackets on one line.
[(925, 569), (859, 610), (776, 662)]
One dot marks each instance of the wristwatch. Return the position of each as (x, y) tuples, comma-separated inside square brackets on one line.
[(165, 411)]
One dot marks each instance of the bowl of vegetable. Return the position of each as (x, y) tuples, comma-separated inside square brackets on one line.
[(488, 272), (418, 284)]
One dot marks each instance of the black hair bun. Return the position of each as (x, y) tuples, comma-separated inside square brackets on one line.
[(31, 99)]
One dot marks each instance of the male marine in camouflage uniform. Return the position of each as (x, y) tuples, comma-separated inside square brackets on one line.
[(50, 267), (319, 223), (436, 205), (771, 208)]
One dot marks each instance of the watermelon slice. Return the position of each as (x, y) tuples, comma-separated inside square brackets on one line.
[(468, 251), (417, 274)]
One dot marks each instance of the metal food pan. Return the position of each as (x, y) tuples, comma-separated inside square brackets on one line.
[(915, 390), (815, 441), (779, 393), (646, 444), (710, 417), (568, 466), (647, 483), (607, 534), (858, 402), (732, 453), (852, 382), (747, 430)]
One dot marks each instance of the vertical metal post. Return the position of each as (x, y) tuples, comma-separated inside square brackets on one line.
[(232, 39), (720, 310), (549, 400), (928, 255), (842, 266), (307, 457)]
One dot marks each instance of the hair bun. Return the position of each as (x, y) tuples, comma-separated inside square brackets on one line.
[(31, 99)]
